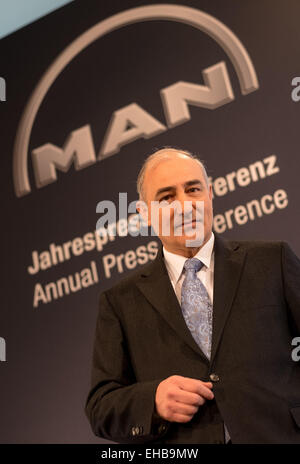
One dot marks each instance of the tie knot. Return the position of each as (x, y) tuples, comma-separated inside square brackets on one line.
[(193, 264)]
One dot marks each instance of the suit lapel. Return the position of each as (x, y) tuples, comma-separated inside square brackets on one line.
[(156, 286), (229, 261)]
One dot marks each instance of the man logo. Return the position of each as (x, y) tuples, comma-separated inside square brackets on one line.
[(2, 89), (79, 147)]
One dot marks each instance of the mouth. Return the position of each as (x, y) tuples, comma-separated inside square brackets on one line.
[(188, 223)]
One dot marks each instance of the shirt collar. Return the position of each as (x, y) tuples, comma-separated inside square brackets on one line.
[(175, 262)]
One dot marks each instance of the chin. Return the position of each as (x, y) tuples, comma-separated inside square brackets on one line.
[(184, 241)]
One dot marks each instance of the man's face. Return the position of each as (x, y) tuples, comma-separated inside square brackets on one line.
[(179, 179)]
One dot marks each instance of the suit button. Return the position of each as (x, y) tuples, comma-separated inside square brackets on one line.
[(214, 377), (162, 428), (136, 430)]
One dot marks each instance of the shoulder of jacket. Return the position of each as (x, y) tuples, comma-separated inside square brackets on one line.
[(127, 282), (266, 247), (258, 244)]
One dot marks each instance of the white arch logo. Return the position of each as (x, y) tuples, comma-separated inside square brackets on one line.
[(175, 98)]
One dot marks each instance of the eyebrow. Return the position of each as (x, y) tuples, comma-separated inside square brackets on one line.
[(173, 187)]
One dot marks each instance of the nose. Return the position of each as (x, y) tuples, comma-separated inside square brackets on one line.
[(183, 205)]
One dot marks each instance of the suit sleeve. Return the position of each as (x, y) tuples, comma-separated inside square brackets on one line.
[(118, 407), (291, 283)]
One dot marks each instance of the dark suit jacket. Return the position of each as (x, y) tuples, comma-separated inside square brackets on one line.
[(141, 339)]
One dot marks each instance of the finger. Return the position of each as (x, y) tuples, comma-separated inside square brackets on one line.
[(205, 392), (207, 384), (184, 381), (186, 397), (185, 409), (181, 418), (196, 386)]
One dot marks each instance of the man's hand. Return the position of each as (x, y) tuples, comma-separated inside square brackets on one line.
[(178, 398)]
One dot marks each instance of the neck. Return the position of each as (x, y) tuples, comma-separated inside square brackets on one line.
[(187, 252)]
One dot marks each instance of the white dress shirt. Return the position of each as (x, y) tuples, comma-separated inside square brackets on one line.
[(174, 264)]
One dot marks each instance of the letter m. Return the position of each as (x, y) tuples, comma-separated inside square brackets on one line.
[(78, 148)]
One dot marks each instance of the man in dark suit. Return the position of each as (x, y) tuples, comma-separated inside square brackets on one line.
[(159, 377)]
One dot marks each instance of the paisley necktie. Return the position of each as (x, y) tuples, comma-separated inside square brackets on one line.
[(197, 310)]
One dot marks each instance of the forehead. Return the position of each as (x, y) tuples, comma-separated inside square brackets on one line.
[(176, 169)]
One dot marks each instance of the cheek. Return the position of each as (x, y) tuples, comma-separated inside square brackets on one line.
[(166, 215), (208, 219)]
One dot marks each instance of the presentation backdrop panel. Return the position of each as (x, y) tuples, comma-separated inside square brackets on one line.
[(86, 94)]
